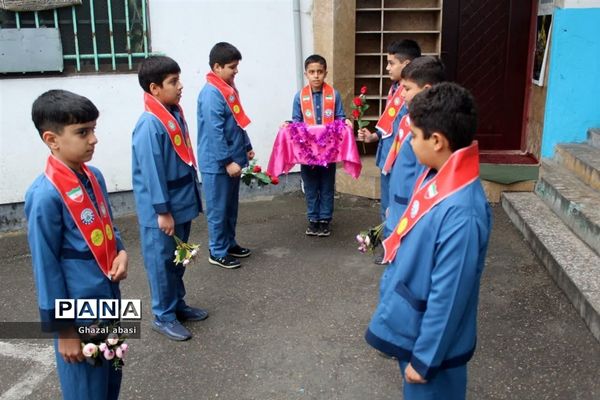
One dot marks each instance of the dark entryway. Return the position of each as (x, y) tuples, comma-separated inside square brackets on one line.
[(485, 46)]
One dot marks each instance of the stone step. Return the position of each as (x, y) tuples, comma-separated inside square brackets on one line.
[(571, 263), (582, 159), (593, 137), (575, 203)]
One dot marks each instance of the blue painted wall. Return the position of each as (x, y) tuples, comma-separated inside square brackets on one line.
[(573, 97)]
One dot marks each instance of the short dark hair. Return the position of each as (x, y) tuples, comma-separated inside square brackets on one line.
[(155, 69), (315, 58), (223, 53), (55, 109), (405, 49), (425, 70), (446, 108)]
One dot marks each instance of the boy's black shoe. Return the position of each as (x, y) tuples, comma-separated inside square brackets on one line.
[(228, 261), (378, 260), (238, 251), (312, 229), (191, 314), (324, 229), (173, 330)]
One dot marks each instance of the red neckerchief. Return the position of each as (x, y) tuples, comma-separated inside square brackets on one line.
[(392, 108), (328, 105), (178, 134), (461, 169), (231, 97), (399, 139), (95, 225)]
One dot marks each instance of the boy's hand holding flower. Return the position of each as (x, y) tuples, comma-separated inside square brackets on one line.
[(184, 252), (254, 173)]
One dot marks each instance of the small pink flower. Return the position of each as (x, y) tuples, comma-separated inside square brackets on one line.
[(124, 347), (360, 239), (112, 339), (109, 354), (367, 240), (194, 252), (119, 352), (89, 350), (102, 347), (186, 262)]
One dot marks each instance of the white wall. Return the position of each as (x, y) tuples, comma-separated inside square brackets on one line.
[(185, 30)]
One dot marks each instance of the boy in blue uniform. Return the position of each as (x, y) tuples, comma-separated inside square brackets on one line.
[(419, 75), (76, 251), (224, 148), (400, 54), (167, 193), (318, 103), (427, 313)]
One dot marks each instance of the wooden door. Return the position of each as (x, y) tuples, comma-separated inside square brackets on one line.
[(485, 46)]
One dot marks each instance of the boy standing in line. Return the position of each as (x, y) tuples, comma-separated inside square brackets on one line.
[(76, 251), (318, 103), (427, 312), (400, 54), (167, 193), (224, 148), (401, 164)]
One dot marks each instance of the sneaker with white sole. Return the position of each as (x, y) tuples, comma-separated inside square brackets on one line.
[(227, 261)]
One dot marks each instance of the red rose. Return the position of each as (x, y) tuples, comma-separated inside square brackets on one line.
[(256, 168), (356, 114), (363, 90), (357, 101), (274, 180)]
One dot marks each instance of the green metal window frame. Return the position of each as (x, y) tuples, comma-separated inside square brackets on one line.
[(117, 58)]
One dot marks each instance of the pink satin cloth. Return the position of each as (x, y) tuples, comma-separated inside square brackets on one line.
[(287, 152)]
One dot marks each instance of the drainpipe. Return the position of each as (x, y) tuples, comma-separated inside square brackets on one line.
[(298, 45)]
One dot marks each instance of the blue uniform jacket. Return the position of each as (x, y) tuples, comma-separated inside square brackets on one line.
[(384, 145), (317, 98), (220, 139), (403, 176), (162, 182), (63, 265), (427, 313)]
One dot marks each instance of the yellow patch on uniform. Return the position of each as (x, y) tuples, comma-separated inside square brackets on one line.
[(177, 140), (392, 111), (402, 226), (109, 232), (236, 109), (97, 237)]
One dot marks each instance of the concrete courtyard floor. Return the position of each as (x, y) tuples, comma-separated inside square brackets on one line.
[(289, 324)]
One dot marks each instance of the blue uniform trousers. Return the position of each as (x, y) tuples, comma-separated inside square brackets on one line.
[(83, 381), (222, 194), (165, 278), (384, 186), (319, 186), (447, 384)]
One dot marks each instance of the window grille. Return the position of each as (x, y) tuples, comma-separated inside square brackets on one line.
[(96, 36)]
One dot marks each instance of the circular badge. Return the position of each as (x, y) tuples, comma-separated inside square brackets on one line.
[(87, 216), (328, 113), (402, 226), (97, 237), (392, 111), (236, 109), (231, 98), (102, 210), (414, 209), (109, 232), (397, 101), (172, 125), (308, 113), (400, 134), (177, 140)]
